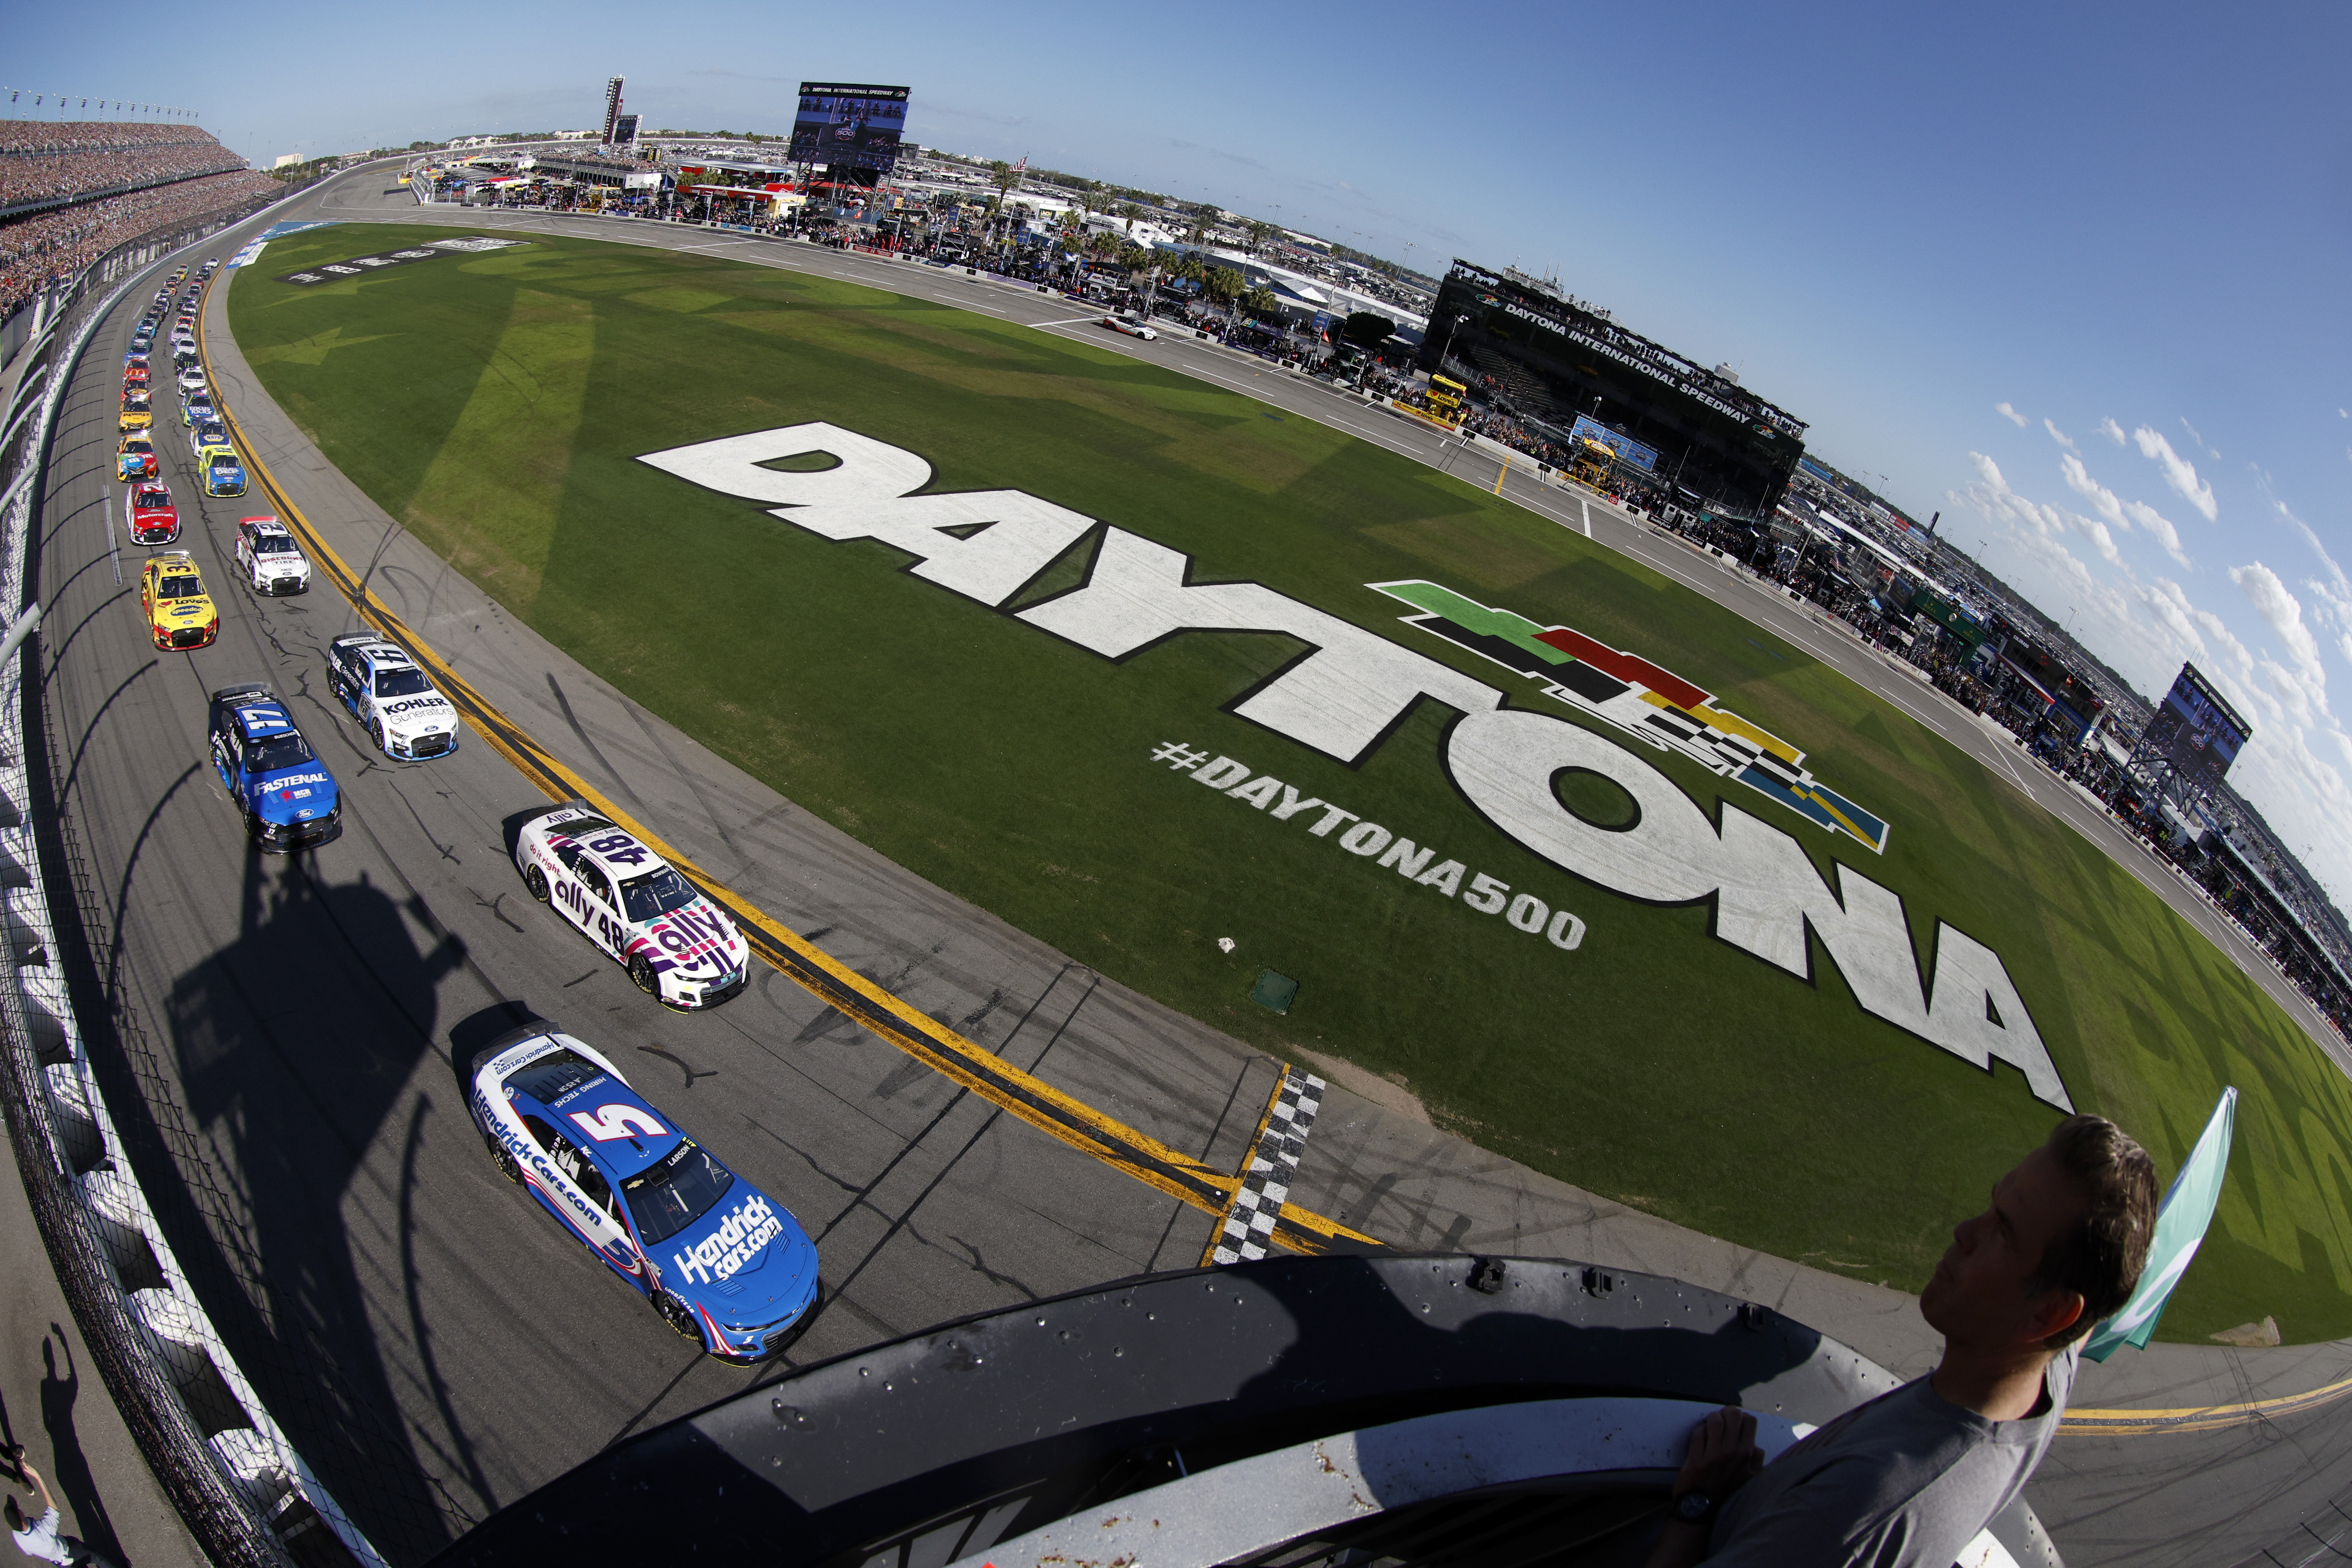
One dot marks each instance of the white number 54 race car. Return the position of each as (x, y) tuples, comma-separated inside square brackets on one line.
[(675, 944)]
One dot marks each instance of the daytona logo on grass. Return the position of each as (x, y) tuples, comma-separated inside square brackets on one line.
[(1353, 688)]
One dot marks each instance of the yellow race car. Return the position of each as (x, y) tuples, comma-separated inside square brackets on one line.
[(137, 413), (180, 613)]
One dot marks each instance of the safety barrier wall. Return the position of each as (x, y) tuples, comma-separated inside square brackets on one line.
[(244, 1492)]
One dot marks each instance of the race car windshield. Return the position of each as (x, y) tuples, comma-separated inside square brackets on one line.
[(265, 544), (179, 588), (401, 683), (675, 1193), (655, 894), (278, 752)]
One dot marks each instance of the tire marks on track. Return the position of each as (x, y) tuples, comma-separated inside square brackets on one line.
[(871, 1006)]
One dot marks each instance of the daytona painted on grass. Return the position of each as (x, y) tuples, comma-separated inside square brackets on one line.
[(1727, 1041)]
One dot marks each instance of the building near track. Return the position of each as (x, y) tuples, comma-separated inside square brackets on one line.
[(1553, 363)]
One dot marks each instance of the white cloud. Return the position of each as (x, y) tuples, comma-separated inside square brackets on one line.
[(2304, 686), (2060, 436), (2103, 540), (2338, 589), (1993, 497), (2200, 440), (2178, 471), (2011, 414), (2296, 767), (2112, 431), (2156, 523), (2169, 602), (2103, 499)]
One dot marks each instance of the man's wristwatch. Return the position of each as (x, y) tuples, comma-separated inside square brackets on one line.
[(1694, 1508)]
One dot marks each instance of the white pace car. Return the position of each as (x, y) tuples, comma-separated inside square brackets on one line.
[(1131, 326), (382, 687), (677, 945)]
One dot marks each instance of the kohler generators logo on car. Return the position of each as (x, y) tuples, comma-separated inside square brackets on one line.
[(1351, 690)]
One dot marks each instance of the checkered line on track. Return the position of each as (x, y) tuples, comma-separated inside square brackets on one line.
[(1246, 1231)]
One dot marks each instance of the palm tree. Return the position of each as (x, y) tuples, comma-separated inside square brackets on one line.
[(1224, 286), (1258, 235)]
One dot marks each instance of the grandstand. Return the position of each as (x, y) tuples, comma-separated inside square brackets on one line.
[(71, 192), (1542, 360)]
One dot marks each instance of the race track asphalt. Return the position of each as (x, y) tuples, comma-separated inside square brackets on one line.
[(276, 1034)]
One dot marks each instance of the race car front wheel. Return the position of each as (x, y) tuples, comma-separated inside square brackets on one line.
[(675, 1313), (534, 882), (641, 969)]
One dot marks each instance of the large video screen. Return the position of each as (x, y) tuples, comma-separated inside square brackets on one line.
[(847, 125), (1588, 429), (2197, 729)]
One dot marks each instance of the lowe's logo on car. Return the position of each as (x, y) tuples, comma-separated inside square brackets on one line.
[(747, 1228), (1352, 691)]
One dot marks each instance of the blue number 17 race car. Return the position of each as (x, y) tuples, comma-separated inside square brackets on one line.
[(285, 793), (725, 1264)]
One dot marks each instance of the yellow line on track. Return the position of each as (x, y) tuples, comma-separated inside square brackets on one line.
[(1012, 1090), (2201, 1418)]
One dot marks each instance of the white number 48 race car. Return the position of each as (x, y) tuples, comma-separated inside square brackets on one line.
[(674, 942)]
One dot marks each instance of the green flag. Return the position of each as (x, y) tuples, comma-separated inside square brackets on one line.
[(2181, 1225)]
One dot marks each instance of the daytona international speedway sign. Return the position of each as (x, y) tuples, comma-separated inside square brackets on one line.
[(1352, 688)]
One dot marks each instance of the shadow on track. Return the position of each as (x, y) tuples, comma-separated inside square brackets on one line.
[(296, 1043)]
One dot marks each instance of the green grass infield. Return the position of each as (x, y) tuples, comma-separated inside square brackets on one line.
[(498, 404)]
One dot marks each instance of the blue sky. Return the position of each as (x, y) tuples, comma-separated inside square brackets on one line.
[(2072, 277)]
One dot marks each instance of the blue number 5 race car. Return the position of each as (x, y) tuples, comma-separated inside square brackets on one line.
[(725, 1264)]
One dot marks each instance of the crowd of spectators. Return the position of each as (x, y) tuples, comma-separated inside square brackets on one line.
[(27, 177), (17, 136), (58, 244)]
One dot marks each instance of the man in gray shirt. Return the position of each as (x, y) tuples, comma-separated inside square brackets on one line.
[(1910, 1478)]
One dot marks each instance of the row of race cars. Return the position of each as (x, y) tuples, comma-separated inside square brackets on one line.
[(722, 1263), (220, 470)]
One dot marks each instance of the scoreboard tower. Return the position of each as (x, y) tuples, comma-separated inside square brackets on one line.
[(612, 108)]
